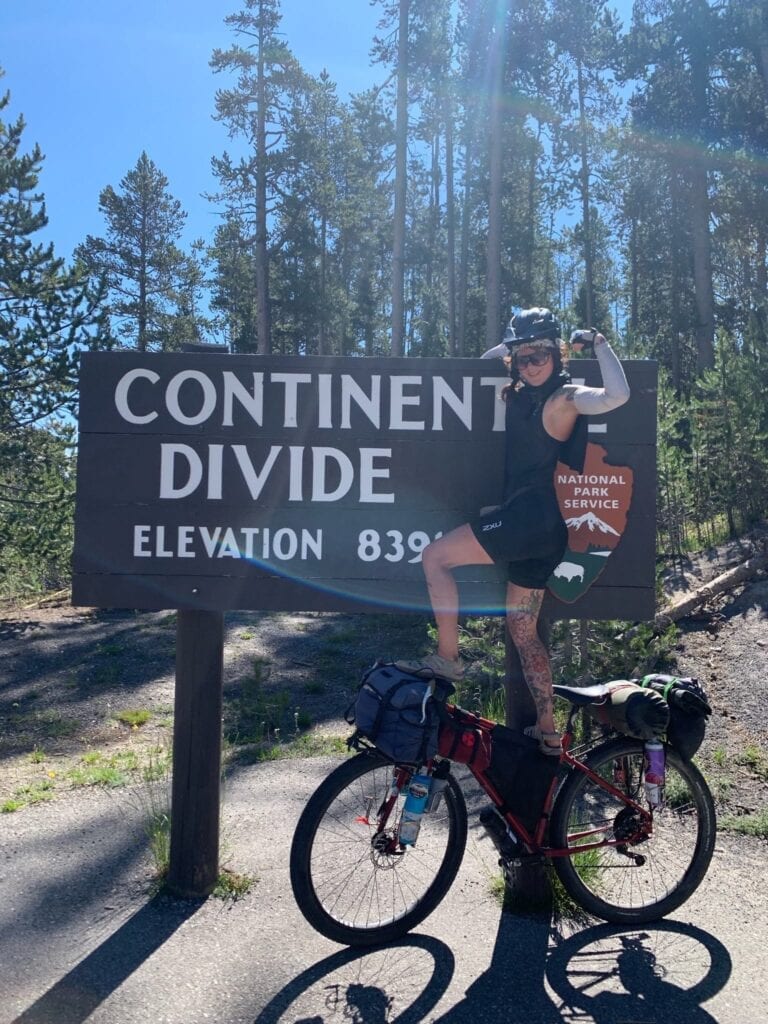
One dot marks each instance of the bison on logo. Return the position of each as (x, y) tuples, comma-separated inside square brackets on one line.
[(595, 504)]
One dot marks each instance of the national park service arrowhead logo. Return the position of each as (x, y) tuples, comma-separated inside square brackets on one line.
[(594, 504)]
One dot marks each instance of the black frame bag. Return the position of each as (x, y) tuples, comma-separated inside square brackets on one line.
[(520, 773), (399, 712)]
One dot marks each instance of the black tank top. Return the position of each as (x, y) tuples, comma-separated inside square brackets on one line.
[(531, 453)]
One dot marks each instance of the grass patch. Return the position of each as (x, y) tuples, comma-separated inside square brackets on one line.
[(37, 756), (158, 765), (11, 805), (232, 885), (746, 824), (133, 718), (35, 793), (97, 770), (754, 758), (306, 745), (254, 715), (53, 725), (157, 828)]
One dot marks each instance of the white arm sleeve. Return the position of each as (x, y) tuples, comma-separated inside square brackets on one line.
[(613, 393), (497, 352)]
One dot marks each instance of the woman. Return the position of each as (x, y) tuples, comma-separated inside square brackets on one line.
[(527, 531)]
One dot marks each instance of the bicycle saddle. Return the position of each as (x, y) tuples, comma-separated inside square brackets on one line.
[(581, 695)]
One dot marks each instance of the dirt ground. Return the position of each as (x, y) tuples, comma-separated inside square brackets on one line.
[(86, 695)]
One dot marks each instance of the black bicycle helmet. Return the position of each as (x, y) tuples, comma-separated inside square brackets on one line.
[(536, 324)]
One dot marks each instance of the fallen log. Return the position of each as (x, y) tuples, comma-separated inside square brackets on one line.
[(684, 606)]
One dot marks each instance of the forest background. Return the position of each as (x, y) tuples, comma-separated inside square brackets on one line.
[(505, 155)]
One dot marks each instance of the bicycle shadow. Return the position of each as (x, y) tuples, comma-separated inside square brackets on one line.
[(398, 983), (654, 973), (609, 974), (402, 983)]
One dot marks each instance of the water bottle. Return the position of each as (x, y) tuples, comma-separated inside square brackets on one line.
[(415, 802), (654, 773)]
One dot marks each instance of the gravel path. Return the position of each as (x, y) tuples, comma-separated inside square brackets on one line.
[(82, 939)]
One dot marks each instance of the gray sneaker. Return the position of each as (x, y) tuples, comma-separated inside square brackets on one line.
[(434, 665)]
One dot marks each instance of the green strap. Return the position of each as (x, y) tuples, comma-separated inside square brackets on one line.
[(669, 686), (645, 681)]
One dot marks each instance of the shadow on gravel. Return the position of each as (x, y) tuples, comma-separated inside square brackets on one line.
[(402, 982), (662, 972), (395, 984), (511, 990), (606, 974), (75, 997), (13, 629)]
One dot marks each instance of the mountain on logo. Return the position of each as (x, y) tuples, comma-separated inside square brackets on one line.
[(592, 523)]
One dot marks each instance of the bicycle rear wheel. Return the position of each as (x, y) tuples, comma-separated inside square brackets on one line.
[(350, 880), (643, 879)]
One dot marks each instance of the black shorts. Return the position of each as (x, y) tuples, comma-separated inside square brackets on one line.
[(528, 534)]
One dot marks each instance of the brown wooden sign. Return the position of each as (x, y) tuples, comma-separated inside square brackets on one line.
[(210, 482)]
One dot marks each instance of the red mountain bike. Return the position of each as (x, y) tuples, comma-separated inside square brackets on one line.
[(618, 858)]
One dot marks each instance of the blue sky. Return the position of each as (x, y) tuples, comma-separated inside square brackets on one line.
[(98, 81)]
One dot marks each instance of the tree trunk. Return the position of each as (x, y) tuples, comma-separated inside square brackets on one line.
[(702, 270), (526, 290), (676, 325), (634, 281), (463, 276), (322, 342), (495, 190), (263, 340), (700, 215), (450, 227), (401, 153), (586, 212)]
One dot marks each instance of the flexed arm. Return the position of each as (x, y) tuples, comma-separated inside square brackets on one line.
[(613, 393)]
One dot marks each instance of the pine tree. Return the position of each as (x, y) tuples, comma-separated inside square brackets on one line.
[(257, 108), (48, 314), (138, 257)]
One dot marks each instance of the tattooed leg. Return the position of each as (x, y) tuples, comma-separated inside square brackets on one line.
[(523, 608)]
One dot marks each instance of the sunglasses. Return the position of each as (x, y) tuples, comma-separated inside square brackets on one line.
[(534, 359)]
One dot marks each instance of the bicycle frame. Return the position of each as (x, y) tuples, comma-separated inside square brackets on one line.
[(533, 841)]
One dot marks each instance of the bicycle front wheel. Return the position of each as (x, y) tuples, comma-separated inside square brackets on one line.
[(351, 880), (638, 878)]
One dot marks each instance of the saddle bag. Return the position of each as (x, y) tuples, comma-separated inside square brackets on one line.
[(399, 712), (688, 710), (632, 710)]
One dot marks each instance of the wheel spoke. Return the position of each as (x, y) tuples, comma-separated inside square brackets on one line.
[(356, 884), (654, 874)]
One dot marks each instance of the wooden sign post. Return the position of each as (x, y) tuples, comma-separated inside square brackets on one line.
[(195, 804), (209, 482)]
